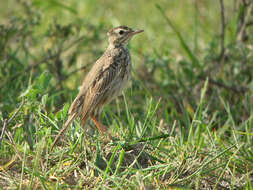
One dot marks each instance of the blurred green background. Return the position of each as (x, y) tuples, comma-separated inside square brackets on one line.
[(198, 20), (192, 80), (180, 48)]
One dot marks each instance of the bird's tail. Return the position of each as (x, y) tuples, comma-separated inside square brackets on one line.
[(65, 126)]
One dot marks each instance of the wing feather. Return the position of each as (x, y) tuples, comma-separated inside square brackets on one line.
[(98, 90)]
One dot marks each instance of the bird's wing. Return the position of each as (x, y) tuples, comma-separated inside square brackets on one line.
[(91, 78), (96, 93)]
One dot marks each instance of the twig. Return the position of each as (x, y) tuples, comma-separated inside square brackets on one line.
[(14, 115), (222, 30), (242, 90), (75, 71), (6, 121), (3, 131), (241, 33)]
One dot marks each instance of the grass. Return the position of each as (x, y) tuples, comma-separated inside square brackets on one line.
[(185, 122)]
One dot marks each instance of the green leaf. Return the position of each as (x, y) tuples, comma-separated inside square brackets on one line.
[(44, 100)]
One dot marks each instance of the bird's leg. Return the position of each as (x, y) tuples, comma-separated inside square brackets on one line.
[(100, 126)]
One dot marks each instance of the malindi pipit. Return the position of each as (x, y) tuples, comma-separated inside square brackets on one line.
[(105, 81)]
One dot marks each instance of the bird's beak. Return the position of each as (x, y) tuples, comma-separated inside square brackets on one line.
[(136, 32)]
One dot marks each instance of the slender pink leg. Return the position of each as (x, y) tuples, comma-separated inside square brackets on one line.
[(100, 126)]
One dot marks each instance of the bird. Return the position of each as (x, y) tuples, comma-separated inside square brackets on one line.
[(104, 82)]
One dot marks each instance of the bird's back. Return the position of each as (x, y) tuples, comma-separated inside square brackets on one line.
[(105, 80)]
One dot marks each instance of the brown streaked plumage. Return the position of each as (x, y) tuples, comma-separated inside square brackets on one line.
[(105, 81)]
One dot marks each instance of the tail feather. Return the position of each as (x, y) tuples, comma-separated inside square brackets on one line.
[(83, 119), (65, 126)]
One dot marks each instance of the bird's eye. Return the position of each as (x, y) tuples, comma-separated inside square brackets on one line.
[(121, 32)]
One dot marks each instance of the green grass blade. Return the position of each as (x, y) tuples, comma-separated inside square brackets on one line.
[(192, 57)]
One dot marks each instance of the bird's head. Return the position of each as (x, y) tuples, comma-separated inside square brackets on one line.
[(121, 35)]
